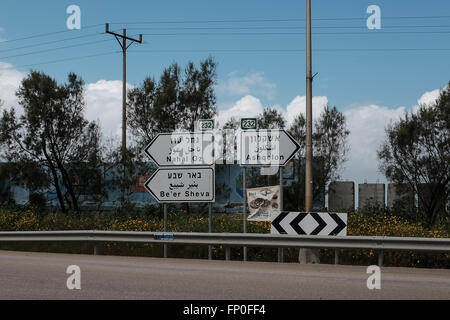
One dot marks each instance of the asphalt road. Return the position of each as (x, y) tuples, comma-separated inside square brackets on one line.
[(26, 275)]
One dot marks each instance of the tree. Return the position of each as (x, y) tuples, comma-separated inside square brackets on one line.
[(329, 150), (52, 144), (416, 153), (197, 95), (231, 124), (175, 102), (271, 118)]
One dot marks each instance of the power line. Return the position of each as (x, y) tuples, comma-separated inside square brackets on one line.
[(384, 17), (47, 34), (290, 50), (227, 33), (226, 21), (253, 51), (53, 49), (369, 32), (53, 41), (208, 21), (61, 60), (284, 27), (275, 20)]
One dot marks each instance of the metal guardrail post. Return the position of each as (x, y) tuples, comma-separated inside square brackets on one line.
[(380, 258), (227, 253), (336, 256), (280, 255), (96, 249)]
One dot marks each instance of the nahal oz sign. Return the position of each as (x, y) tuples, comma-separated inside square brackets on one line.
[(182, 149)]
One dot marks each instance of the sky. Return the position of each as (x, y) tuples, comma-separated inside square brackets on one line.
[(372, 76)]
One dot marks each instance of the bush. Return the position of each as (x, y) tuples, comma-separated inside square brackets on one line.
[(150, 219)]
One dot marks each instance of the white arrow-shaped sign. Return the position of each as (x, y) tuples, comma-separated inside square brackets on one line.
[(182, 185), (182, 149), (267, 147)]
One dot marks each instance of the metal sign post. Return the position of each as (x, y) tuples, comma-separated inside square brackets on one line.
[(210, 229), (244, 209), (165, 228), (186, 171), (280, 250)]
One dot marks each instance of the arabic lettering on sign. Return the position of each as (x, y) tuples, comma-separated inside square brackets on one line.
[(179, 149), (186, 149), (262, 147), (267, 147), (182, 184)]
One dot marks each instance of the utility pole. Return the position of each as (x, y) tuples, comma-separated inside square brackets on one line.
[(309, 78), (308, 255), (123, 44)]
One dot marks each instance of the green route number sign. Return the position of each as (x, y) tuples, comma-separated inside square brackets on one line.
[(248, 123), (206, 125)]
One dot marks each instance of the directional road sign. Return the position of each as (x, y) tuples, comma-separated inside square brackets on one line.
[(182, 184), (267, 147), (309, 223), (182, 149)]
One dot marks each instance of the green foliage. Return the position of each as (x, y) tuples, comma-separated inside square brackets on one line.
[(232, 123), (176, 101), (417, 153), (52, 144), (330, 148), (150, 219), (271, 118)]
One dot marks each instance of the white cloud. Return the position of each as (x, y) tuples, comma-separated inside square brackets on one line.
[(104, 103), (366, 122), (427, 99), (253, 83), (298, 105), (10, 80), (367, 132), (250, 106), (247, 107), (103, 99)]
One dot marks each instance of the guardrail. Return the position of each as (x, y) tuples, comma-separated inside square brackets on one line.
[(236, 240)]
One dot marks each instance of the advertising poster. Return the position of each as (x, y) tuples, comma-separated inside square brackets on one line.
[(262, 202)]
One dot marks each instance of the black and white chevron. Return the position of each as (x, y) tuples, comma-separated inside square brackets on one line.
[(309, 223)]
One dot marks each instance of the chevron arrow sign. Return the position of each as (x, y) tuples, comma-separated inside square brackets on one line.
[(309, 223)]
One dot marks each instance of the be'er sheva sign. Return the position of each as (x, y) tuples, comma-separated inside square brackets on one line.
[(182, 185)]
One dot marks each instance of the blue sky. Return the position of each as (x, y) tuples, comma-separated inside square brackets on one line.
[(348, 79), (387, 78)]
